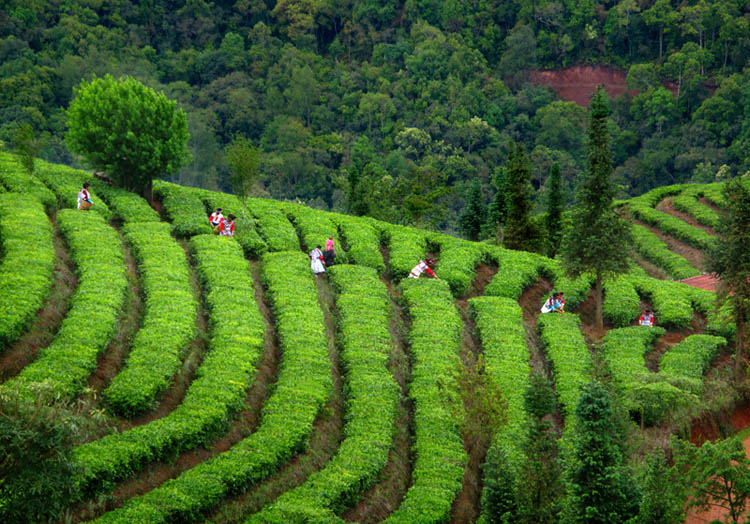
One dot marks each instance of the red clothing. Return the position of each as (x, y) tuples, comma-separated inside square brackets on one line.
[(647, 320), (227, 228)]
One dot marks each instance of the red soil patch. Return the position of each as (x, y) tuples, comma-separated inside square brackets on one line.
[(708, 282), (578, 83)]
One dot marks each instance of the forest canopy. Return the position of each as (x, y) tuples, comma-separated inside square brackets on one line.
[(438, 88)]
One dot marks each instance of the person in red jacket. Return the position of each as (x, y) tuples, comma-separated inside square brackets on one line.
[(423, 266), (227, 226), (647, 319)]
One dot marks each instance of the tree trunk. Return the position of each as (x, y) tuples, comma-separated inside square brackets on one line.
[(598, 297)]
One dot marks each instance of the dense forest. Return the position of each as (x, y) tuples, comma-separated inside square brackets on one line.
[(399, 107)]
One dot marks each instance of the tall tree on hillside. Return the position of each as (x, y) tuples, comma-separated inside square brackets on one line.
[(474, 213), (498, 212), (27, 145), (554, 210), (519, 231), (128, 130), (730, 258), (243, 160), (598, 240), (540, 478), (599, 491)]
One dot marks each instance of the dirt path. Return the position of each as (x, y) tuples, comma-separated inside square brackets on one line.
[(667, 206), (693, 255), (465, 509), (23, 351)]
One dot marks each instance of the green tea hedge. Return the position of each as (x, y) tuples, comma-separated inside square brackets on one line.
[(654, 249), (691, 357), (624, 350), (125, 205), (66, 183), (303, 386), (245, 231), (16, 180), (621, 304), (569, 356), (362, 241), (273, 225), (27, 263), (236, 341), (406, 246), (184, 209), (96, 251), (314, 228), (516, 271), (372, 399), (458, 262), (688, 203), (673, 226), (440, 457), (168, 323)]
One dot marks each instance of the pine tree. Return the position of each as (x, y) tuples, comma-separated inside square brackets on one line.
[(554, 211), (730, 258), (474, 213), (599, 492), (598, 240), (498, 212), (519, 232), (539, 481), (598, 487), (499, 495)]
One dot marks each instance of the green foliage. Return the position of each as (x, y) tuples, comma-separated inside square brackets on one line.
[(220, 385), (27, 146), (125, 206), (516, 271), (624, 350), (715, 473), (499, 497), (498, 210), (622, 304), (246, 227), (519, 232), (314, 228), (554, 211), (363, 317), (655, 250), (474, 213), (184, 209), (569, 356), (168, 323), (243, 160), (597, 240), (687, 203), (27, 262), (598, 489), (663, 489), (407, 247), (303, 386), (274, 227), (440, 456), (458, 262), (673, 302), (15, 180), (37, 469), (361, 240), (673, 226), (128, 130), (66, 182), (691, 357), (730, 259), (95, 307)]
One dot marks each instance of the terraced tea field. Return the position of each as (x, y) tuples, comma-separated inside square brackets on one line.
[(240, 387)]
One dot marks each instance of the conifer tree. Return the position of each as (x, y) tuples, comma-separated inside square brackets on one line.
[(474, 213), (598, 491), (730, 258), (554, 211), (498, 212), (663, 492), (539, 481), (499, 496), (519, 232), (598, 240)]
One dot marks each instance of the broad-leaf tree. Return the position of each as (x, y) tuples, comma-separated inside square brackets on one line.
[(598, 240), (554, 210), (730, 258), (128, 130), (27, 146)]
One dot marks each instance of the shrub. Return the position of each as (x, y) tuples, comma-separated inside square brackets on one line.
[(688, 203), (570, 358), (621, 304), (66, 183), (458, 262), (654, 249), (245, 232), (303, 386), (184, 209), (673, 302), (516, 271), (236, 341), (92, 319), (361, 240), (168, 324), (440, 457), (691, 357), (314, 228), (406, 246), (15, 178), (125, 205), (27, 263), (273, 226), (673, 226), (363, 318)]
